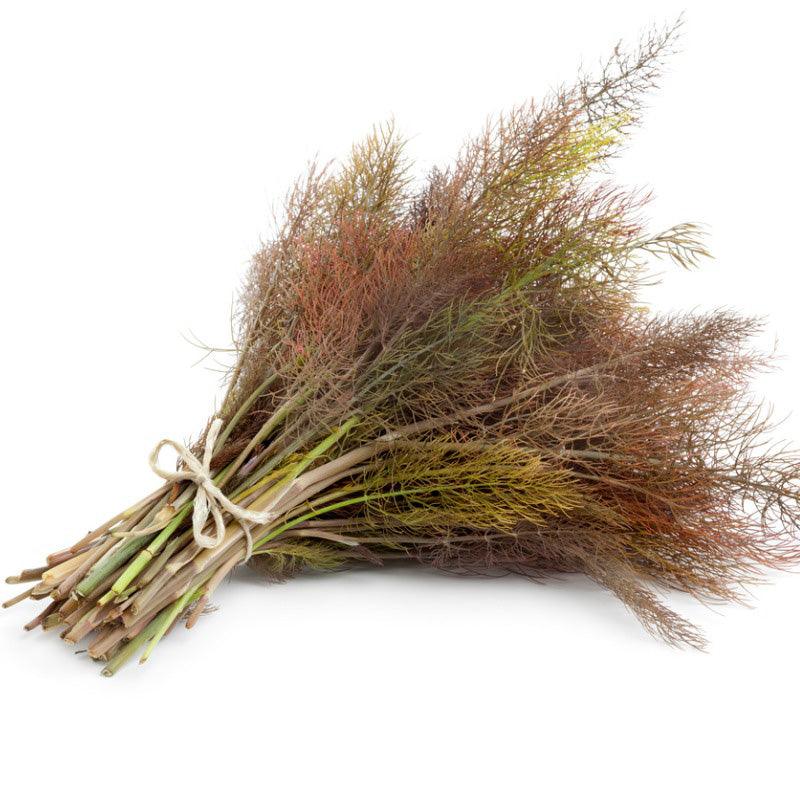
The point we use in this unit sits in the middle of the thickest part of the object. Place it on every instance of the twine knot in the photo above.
(209, 499)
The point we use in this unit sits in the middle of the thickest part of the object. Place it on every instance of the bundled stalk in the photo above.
(460, 375)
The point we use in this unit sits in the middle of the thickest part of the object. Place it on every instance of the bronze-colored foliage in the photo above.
(459, 373)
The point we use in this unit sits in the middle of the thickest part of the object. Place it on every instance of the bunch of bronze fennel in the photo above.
(458, 372)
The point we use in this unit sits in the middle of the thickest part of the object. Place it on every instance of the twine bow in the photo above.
(209, 498)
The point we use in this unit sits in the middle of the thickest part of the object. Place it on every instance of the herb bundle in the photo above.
(461, 375)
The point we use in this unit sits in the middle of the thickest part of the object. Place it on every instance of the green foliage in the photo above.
(282, 561)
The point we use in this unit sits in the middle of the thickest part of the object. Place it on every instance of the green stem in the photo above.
(365, 498)
(113, 560)
(266, 429)
(172, 614)
(323, 447)
(133, 645)
(145, 556)
(277, 492)
(243, 409)
(273, 462)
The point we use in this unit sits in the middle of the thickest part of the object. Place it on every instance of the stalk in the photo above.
(266, 429)
(114, 559)
(128, 650)
(243, 409)
(145, 555)
(166, 621)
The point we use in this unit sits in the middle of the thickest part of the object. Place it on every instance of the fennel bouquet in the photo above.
(458, 373)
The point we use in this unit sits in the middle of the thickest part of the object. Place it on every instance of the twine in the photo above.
(209, 498)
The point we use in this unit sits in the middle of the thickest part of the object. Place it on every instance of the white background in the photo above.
(141, 147)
